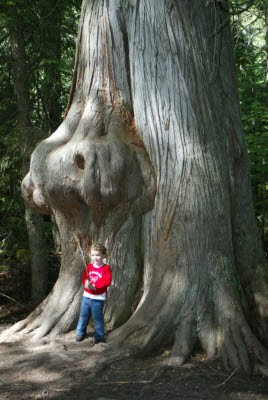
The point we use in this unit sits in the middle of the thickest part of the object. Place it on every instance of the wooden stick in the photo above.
(229, 377)
(4, 295)
(76, 238)
(122, 383)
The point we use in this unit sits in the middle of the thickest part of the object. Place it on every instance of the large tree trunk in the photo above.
(34, 221)
(153, 123)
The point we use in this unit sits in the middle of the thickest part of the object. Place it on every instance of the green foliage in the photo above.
(49, 29)
(23, 254)
(251, 53)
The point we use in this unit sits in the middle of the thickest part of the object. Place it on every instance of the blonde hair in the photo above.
(98, 247)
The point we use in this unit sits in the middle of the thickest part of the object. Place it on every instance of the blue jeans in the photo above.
(88, 307)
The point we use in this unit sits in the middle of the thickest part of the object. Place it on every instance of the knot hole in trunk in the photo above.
(79, 161)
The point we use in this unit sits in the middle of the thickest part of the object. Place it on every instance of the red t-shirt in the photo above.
(101, 277)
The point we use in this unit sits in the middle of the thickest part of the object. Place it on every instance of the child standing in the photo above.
(96, 278)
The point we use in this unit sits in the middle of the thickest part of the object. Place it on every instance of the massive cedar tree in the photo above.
(151, 160)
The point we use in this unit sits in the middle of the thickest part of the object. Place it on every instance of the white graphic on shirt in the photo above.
(93, 278)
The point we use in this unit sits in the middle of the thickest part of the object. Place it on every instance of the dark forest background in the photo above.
(46, 31)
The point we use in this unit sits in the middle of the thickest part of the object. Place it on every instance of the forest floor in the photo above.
(62, 369)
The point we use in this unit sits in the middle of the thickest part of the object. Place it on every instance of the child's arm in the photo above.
(106, 280)
(89, 286)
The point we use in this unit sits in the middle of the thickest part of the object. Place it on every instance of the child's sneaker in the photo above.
(99, 341)
(79, 338)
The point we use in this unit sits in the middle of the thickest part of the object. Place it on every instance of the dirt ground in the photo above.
(62, 369)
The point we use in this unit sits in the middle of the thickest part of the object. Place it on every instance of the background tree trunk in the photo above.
(56, 234)
(52, 88)
(34, 221)
(153, 123)
(51, 55)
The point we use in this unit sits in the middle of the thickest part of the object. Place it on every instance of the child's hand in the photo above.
(89, 286)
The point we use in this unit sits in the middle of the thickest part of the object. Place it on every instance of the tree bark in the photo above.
(151, 160)
(34, 221)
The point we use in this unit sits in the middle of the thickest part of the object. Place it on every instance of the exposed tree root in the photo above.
(239, 350)
(233, 339)
(48, 318)
(156, 323)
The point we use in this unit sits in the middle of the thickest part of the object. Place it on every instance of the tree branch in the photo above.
(223, 10)
(10, 298)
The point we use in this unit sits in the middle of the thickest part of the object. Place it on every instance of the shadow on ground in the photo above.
(58, 369)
